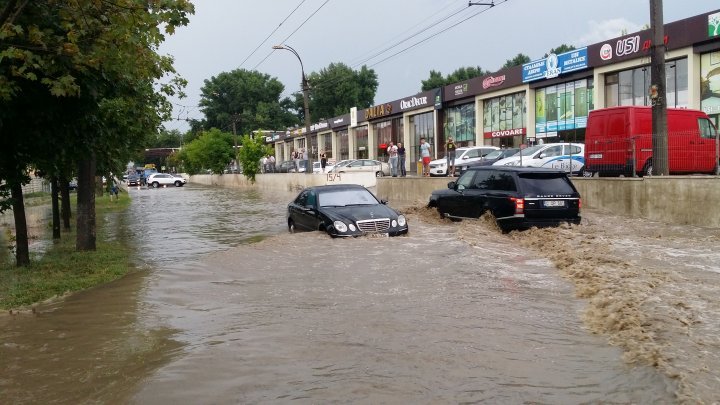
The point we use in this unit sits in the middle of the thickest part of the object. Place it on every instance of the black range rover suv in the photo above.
(518, 197)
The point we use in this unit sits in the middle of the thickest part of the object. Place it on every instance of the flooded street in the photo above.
(227, 307)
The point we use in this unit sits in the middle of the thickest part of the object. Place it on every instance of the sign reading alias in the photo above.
(378, 111)
(555, 65)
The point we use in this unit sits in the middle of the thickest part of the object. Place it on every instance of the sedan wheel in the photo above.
(291, 226)
(379, 174)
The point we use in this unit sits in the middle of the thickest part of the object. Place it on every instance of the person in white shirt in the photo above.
(393, 160)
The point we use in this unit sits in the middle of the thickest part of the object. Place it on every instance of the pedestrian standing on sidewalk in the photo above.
(425, 154)
(296, 159)
(392, 151)
(401, 159)
(323, 161)
(450, 149)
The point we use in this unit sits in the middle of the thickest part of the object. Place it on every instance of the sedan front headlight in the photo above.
(401, 220)
(340, 226)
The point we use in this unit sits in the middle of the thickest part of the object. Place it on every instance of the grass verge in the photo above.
(62, 270)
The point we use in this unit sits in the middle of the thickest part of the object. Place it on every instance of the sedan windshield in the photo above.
(341, 198)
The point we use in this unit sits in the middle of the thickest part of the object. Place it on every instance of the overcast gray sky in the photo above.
(223, 33)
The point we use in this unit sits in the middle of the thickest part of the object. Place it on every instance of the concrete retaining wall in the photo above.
(685, 200)
(284, 181)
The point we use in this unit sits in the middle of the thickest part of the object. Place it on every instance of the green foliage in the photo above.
(562, 48)
(62, 270)
(250, 99)
(436, 79)
(252, 150)
(336, 89)
(164, 139)
(212, 150)
(518, 60)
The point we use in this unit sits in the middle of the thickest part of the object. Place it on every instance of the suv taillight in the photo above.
(579, 204)
(519, 205)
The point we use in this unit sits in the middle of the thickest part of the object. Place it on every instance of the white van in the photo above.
(564, 156)
(463, 156)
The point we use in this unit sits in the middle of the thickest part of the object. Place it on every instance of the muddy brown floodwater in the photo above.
(229, 308)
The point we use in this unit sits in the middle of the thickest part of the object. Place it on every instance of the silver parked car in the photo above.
(363, 165)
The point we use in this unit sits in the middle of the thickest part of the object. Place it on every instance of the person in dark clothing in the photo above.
(450, 149)
(323, 161)
(401, 159)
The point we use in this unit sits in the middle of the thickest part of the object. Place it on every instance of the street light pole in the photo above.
(305, 90)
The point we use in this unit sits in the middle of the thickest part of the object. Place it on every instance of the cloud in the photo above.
(604, 30)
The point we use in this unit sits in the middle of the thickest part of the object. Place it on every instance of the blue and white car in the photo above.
(569, 157)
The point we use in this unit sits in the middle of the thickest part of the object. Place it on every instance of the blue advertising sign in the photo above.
(555, 65)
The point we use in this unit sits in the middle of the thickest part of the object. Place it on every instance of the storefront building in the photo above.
(546, 100)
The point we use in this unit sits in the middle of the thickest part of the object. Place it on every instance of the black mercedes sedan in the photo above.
(518, 197)
(344, 210)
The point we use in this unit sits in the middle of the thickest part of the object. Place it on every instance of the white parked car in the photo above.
(564, 156)
(165, 179)
(463, 156)
(317, 168)
(363, 165)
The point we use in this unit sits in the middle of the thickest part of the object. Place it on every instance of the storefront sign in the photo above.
(318, 126)
(461, 89)
(555, 65)
(411, 103)
(438, 98)
(505, 133)
(492, 81)
(379, 111)
(353, 117)
(338, 122)
(647, 45)
(714, 25)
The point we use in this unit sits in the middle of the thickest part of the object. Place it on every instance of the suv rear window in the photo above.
(546, 183)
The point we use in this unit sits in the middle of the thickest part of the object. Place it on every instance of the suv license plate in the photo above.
(554, 203)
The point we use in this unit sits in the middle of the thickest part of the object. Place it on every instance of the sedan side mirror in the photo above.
(542, 156)
(452, 185)
(384, 202)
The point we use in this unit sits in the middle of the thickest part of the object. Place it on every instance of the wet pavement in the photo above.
(227, 307)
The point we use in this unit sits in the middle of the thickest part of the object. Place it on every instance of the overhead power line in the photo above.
(292, 33)
(273, 31)
(436, 34)
(331, 82)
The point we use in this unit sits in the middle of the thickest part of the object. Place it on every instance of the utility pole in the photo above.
(237, 163)
(657, 90)
(305, 90)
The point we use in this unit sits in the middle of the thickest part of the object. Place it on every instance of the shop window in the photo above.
(710, 85)
(361, 143)
(344, 145)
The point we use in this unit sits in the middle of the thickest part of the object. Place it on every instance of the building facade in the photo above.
(546, 100)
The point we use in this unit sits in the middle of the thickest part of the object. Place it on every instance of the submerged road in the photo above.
(230, 308)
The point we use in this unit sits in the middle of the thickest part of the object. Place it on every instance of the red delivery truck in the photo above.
(618, 141)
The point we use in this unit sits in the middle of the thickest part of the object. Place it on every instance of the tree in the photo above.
(212, 150)
(249, 99)
(87, 69)
(560, 49)
(337, 88)
(461, 74)
(252, 150)
(518, 60)
(435, 80)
